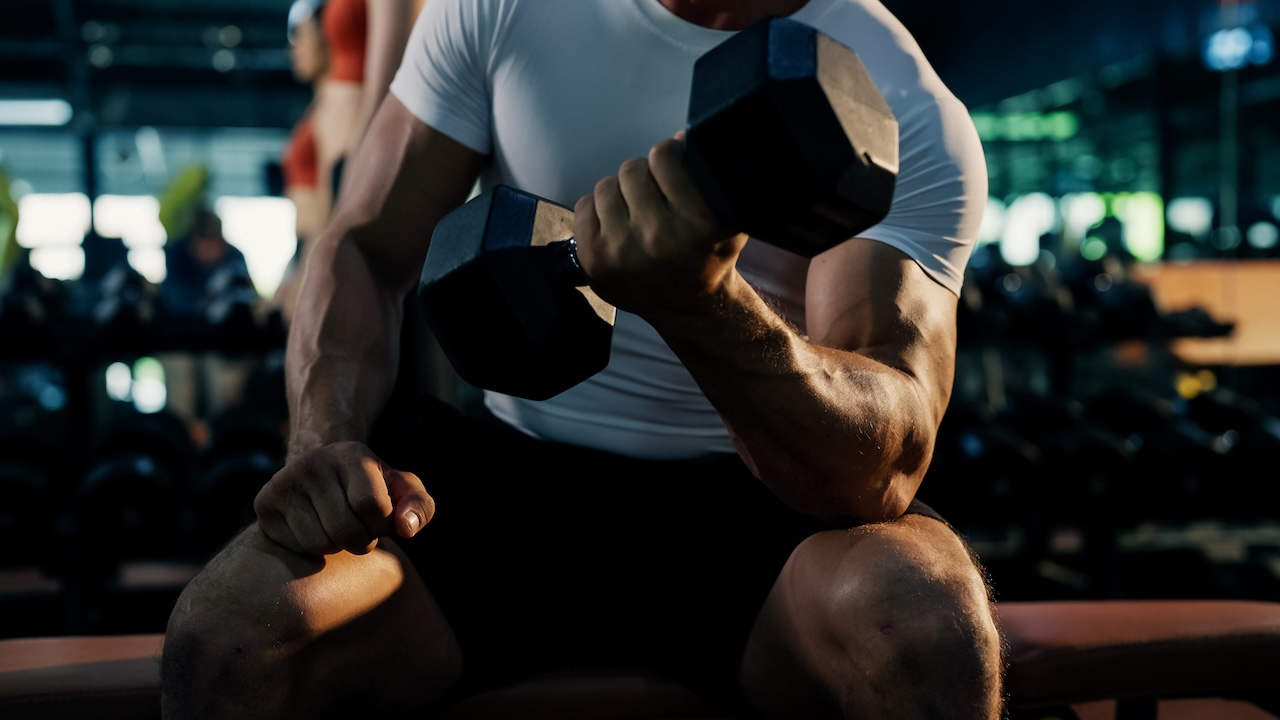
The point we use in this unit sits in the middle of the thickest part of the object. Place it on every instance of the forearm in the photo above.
(343, 352)
(835, 434)
(344, 341)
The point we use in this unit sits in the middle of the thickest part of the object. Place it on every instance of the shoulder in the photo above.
(942, 182)
(477, 20)
(890, 53)
(928, 113)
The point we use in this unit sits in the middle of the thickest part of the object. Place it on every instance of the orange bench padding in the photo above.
(1060, 653)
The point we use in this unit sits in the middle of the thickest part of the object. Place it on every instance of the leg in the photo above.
(262, 632)
(888, 620)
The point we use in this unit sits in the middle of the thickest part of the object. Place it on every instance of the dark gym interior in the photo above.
(1114, 429)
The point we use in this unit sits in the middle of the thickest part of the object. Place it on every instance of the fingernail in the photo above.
(411, 518)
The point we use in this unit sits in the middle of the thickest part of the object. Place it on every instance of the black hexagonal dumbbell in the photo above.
(788, 140)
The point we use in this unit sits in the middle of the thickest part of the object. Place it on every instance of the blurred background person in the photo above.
(309, 57)
(198, 264)
(366, 40)
(207, 280)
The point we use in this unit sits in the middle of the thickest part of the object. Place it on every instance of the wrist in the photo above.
(719, 320)
(694, 311)
(311, 428)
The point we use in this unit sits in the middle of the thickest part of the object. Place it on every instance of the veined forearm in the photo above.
(833, 433)
(343, 353)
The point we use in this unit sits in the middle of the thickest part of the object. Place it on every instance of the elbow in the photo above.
(863, 500)
(877, 490)
(887, 499)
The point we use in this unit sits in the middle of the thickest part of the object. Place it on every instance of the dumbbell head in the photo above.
(789, 139)
(504, 305)
(123, 507)
(27, 509)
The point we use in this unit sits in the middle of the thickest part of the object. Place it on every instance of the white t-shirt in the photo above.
(560, 92)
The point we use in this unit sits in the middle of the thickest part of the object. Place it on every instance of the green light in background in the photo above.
(1081, 212)
(985, 124)
(148, 391)
(1061, 125)
(1142, 215)
(1093, 248)
(1026, 127)
(1023, 127)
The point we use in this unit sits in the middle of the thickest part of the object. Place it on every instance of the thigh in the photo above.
(333, 630)
(548, 557)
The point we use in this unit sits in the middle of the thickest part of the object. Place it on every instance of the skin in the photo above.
(353, 105)
(839, 424)
(308, 609)
(890, 619)
(343, 355)
(310, 58)
(207, 243)
(334, 120)
(307, 52)
(389, 24)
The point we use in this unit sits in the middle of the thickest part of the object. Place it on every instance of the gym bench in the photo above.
(1214, 659)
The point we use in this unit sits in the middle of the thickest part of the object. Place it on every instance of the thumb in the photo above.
(412, 507)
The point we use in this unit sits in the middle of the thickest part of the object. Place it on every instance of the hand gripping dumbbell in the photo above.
(788, 140)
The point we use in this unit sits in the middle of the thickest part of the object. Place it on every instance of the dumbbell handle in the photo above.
(563, 263)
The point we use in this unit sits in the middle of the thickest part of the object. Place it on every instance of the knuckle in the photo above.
(634, 167)
(276, 530)
(264, 503)
(349, 451)
(369, 504)
(352, 537)
(321, 547)
(667, 149)
(606, 186)
(654, 238)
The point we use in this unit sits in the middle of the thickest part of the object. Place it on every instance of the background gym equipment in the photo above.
(245, 449)
(29, 302)
(788, 140)
(32, 477)
(128, 496)
(1218, 657)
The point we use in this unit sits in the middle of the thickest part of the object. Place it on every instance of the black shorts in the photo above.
(548, 557)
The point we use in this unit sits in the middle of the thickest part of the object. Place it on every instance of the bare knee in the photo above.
(263, 632)
(904, 604)
(230, 636)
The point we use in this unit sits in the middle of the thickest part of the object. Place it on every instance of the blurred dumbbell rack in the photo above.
(57, 575)
(1084, 456)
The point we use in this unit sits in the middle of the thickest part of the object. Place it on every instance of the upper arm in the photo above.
(891, 294)
(387, 31)
(389, 22)
(867, 297)
(405, 177)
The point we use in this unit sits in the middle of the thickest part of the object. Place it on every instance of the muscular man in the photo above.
(730, 503)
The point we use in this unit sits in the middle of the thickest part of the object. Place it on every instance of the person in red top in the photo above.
(299, 159)
(300, 163)
(366, 41)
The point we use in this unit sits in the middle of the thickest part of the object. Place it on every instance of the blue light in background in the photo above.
(1234, 48)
